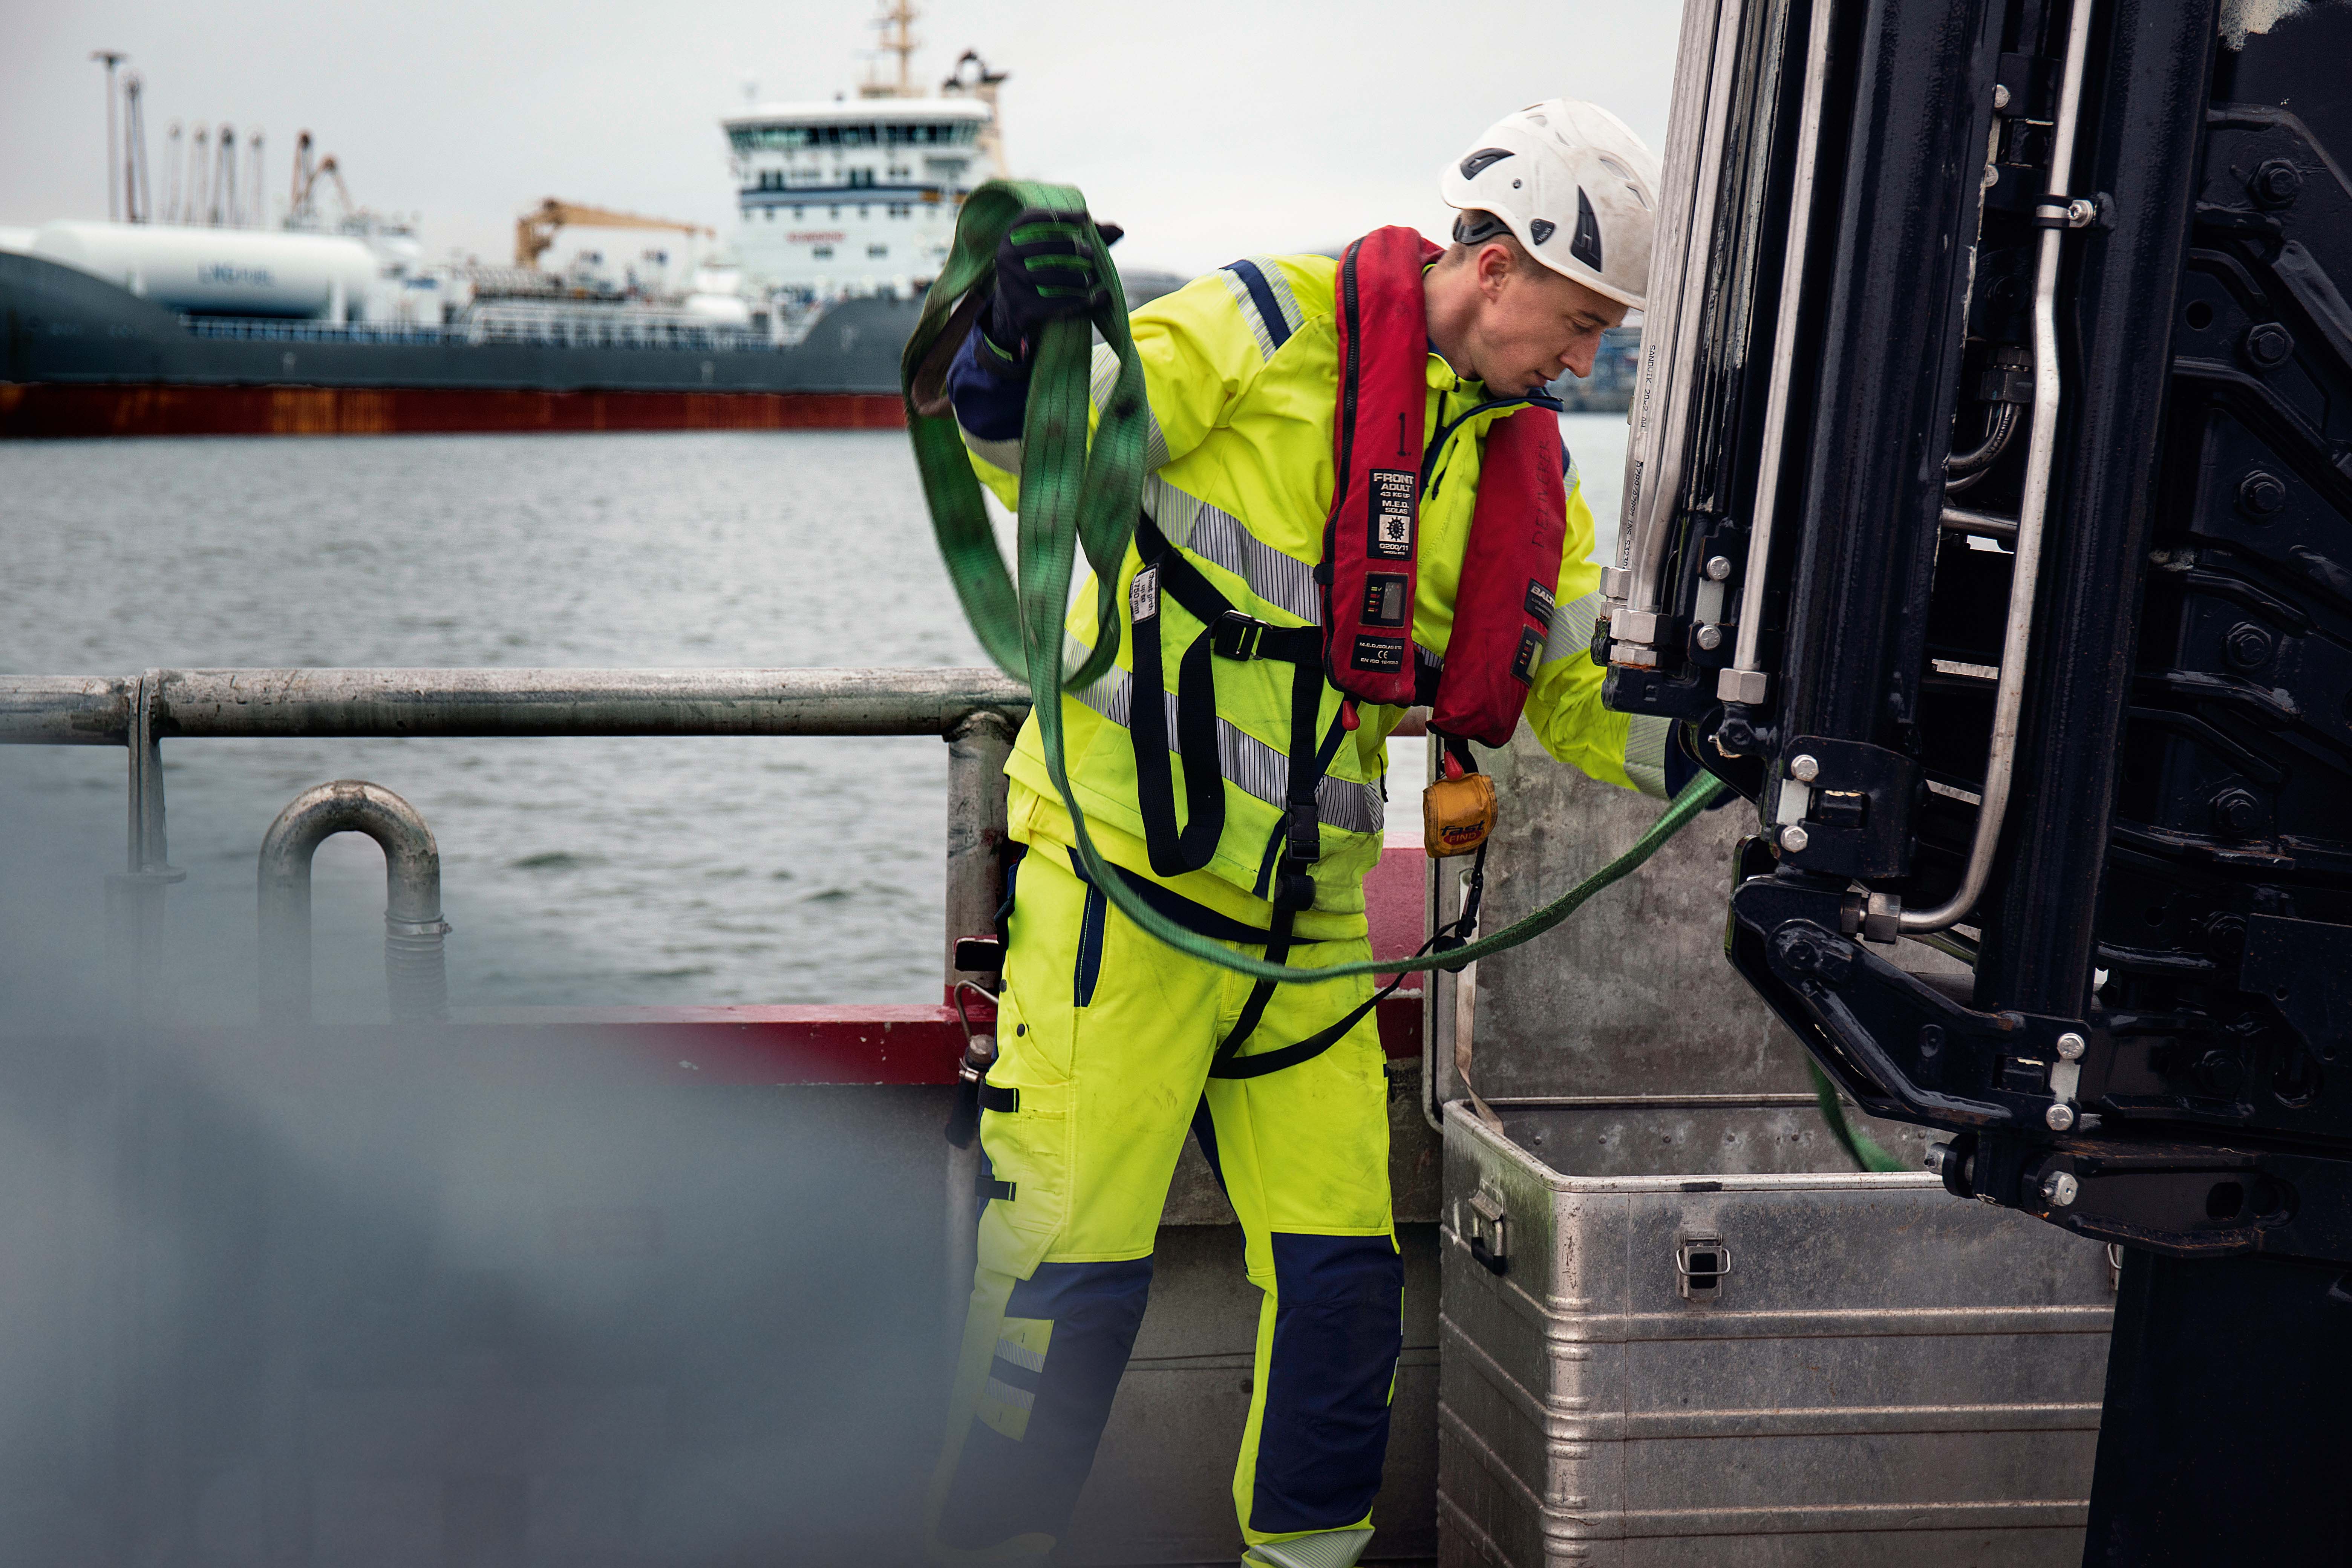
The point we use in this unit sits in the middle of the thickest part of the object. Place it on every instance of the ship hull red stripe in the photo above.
(881, 1044)
(51, 410)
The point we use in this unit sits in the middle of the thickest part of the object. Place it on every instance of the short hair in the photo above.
(1475, 227)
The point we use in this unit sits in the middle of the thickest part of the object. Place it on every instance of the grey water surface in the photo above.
(592, 871)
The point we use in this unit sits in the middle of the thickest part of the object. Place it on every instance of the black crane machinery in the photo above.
(1988, 528)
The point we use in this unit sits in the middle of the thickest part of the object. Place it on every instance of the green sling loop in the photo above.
(1073, 495)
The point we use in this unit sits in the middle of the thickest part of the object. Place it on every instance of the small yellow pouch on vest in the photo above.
(1456, 814)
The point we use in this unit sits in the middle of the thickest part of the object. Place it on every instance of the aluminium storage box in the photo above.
(1741, 1364)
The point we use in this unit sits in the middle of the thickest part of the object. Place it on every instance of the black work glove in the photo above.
(1044, 272)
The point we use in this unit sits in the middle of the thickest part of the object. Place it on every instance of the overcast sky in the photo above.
(1209, 129)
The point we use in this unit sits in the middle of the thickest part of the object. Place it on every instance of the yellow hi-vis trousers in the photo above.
(1106, 1037)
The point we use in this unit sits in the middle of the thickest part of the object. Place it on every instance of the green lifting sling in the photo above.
(1075, 494)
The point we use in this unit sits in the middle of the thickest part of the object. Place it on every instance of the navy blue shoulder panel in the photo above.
(1261, 294)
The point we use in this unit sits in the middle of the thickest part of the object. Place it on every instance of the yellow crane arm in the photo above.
(535, 230)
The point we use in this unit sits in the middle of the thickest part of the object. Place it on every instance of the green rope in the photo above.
(1076, 495)
(1859, 1146)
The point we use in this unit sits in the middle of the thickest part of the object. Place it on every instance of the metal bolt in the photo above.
(2237, 811)
(2269, 344)
(2069, 1045)
(2276, 183)
(1938, 1155)
(1794, 839)
(1718, 567)
(2059, 1188)
(1803, 768)
(2081, 211)
(2262, 494)
(1710, 637)
(2060, 1116)
(2247, 646)
(1999, 96)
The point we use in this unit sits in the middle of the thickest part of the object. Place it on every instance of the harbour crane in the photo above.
(306, 177)
(535, 230)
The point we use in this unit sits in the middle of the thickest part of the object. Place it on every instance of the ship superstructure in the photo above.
(854, 197)
(860, 196)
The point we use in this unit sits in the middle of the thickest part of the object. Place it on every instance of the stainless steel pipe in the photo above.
(412, 960)
(52, 710)
(2040, 455)
(977, 749)
(1693, 169)
(1745, 682)
(65, 710)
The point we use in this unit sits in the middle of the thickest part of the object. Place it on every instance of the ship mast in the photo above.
(897, 23)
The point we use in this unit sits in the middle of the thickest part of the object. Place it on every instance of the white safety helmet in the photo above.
(1573, 185)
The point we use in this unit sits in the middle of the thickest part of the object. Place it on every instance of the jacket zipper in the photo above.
(1445, 433)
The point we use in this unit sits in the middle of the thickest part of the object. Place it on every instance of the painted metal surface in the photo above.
(80, 356)
(49, 411)
(1876, 1375)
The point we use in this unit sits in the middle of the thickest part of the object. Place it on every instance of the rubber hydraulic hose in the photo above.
(1080, 492)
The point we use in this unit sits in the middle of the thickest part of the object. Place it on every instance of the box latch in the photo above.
(1702, 1263)
(1490, 1232)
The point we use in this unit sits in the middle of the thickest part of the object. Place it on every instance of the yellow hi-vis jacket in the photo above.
(1241, 370)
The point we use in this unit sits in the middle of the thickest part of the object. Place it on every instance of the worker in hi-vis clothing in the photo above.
(1113, 1046)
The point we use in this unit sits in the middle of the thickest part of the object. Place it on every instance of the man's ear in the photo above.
(1493, 264)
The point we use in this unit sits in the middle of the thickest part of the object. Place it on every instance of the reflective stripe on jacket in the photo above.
(1240, 370)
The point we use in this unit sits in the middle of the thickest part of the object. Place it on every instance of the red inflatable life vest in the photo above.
(1510, 569)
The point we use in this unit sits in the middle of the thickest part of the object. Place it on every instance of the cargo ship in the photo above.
(331, 324)
(195, 325)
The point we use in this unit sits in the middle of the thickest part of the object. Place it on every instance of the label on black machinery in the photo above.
(1378, 655)
(1391, 534)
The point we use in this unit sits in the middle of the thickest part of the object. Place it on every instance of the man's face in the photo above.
(1531, 323)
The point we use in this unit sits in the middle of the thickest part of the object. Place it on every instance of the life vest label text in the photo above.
(1391, 492)
(1382, 655)
(1143, 595)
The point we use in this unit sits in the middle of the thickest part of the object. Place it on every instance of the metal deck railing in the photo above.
(574, 329)
(976, 711)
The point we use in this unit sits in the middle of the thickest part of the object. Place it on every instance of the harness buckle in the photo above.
(1302, 839)
(1237, 636)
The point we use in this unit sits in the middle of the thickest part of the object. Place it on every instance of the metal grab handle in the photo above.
(1682, 1260)
(414, 968)
(2009, 694)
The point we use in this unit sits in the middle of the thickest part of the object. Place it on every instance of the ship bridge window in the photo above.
(878, 251)
(821, 252)
(861, 176)
(793, 138)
